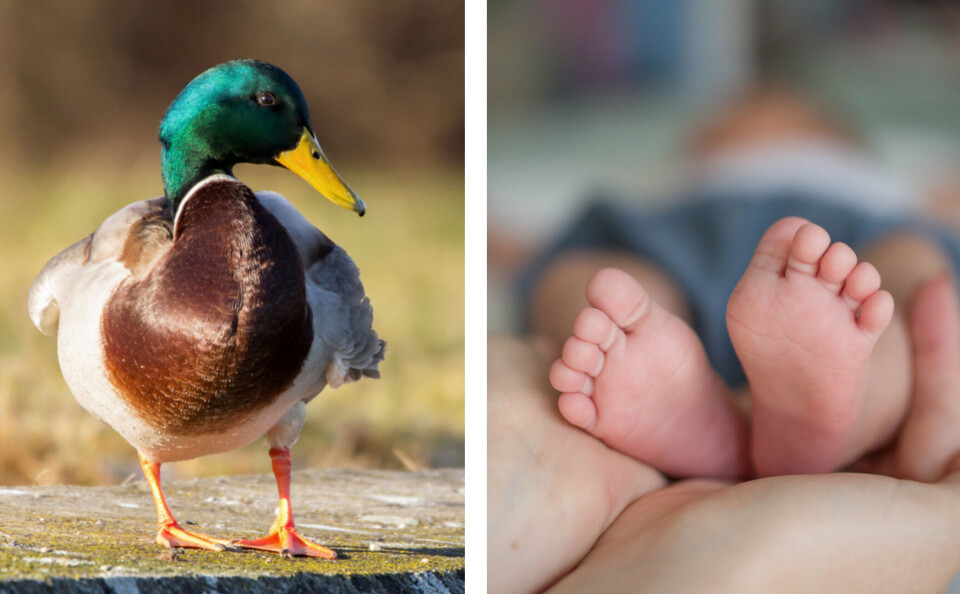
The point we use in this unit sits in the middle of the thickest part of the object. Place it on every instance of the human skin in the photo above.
(566, 510)
(811, 533)
(875, 411)
(551, 488)
(805, 319)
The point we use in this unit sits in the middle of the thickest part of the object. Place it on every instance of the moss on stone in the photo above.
(379, 524)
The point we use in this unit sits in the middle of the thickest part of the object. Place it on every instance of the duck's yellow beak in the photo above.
(308, 161)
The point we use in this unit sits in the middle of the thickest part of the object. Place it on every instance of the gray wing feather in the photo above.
(358, 348)
(343, 316)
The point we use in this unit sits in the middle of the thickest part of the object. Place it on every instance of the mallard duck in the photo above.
(196, 322)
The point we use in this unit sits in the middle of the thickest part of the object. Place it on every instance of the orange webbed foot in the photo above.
(174, 536)
(289, 543)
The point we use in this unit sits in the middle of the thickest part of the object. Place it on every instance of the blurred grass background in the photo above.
(85, 85)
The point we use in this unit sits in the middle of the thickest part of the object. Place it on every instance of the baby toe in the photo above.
(592, 325)
(620, 297)
(578, 410)
(862, 282)
(809, 245)
(583, 356)
(565, 379)
(836, 265)
(876, 312)
(774, 247)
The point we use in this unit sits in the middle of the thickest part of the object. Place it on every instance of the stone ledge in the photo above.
(427, 582)
(393, 531)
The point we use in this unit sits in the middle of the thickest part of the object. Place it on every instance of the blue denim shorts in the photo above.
(706, 242)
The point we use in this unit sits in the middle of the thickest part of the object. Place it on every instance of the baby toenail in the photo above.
(587, 389)
(850, 301)
(830, 286)
(637, 314)
(599, 367)
(801, 267)
(611, 338)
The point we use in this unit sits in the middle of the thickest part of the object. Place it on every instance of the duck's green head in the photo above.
(244, 111)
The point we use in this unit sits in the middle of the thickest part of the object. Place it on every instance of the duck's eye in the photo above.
(266, 99)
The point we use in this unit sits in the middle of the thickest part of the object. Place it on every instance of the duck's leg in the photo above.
(170, 533)
(283, 537)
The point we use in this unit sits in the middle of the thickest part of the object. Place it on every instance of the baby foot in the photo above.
(637, 377)
(804, 320)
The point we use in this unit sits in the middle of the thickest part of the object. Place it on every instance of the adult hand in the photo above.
(552, 489)
(816, 533)
(812, 533)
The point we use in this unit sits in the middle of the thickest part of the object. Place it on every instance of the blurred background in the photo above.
(623, 96)
(84, 87)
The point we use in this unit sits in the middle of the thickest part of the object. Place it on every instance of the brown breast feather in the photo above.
(219, 327)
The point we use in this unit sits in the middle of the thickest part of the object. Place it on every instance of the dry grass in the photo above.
(410, 251)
